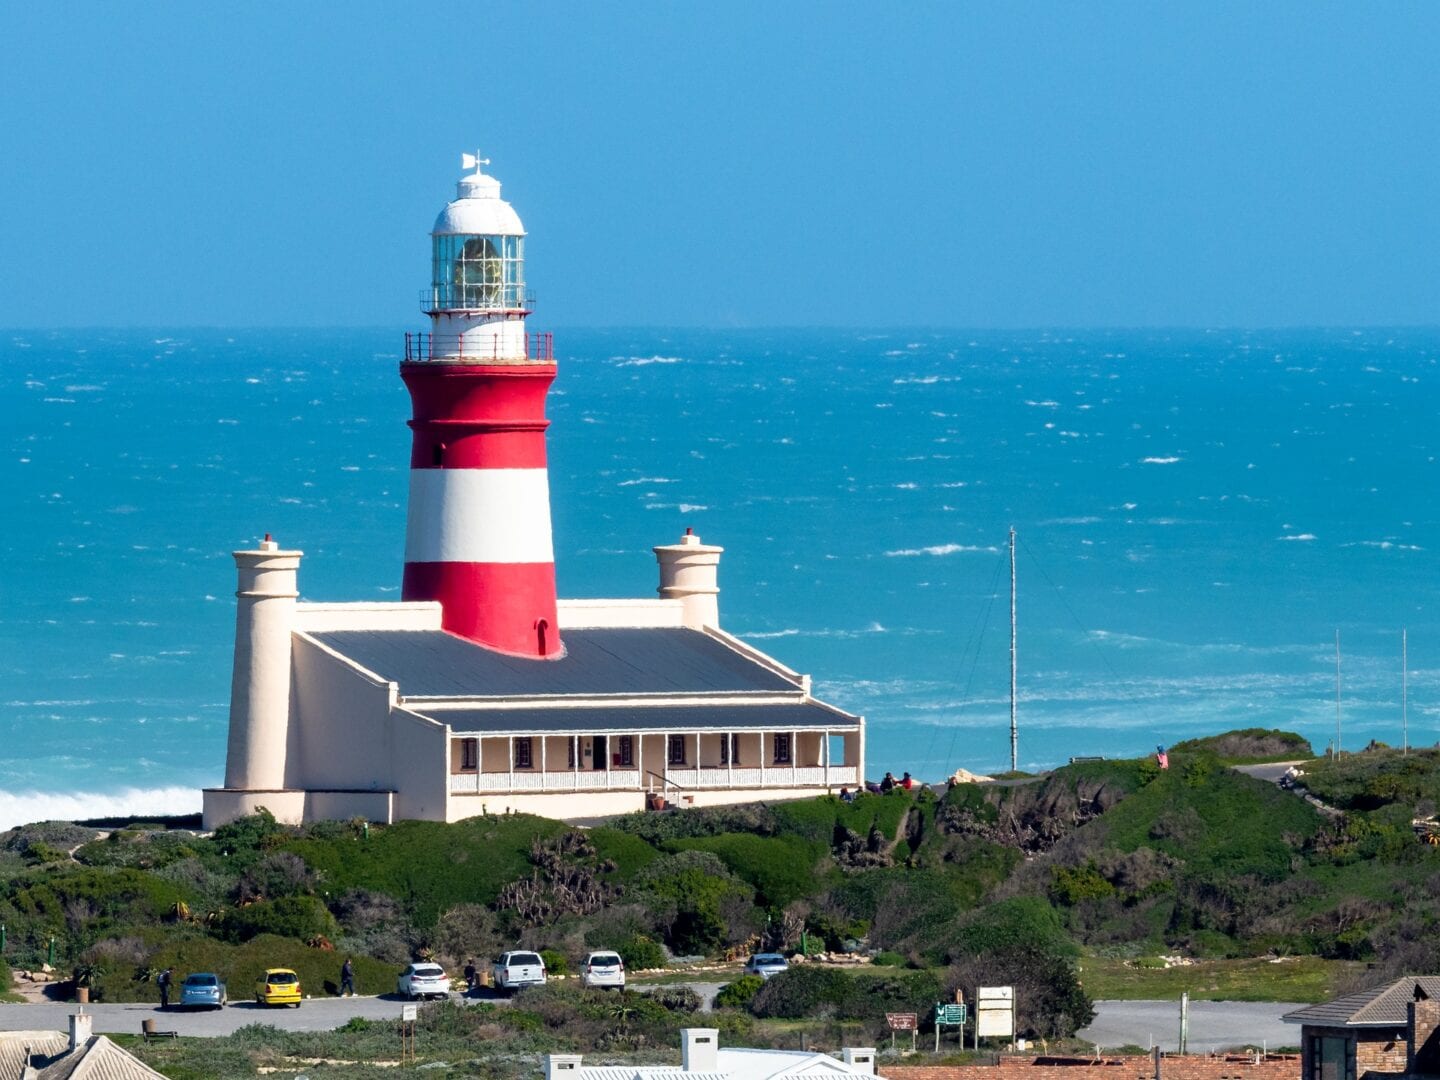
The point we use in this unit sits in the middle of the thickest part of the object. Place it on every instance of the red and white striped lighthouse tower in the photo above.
(478, 538)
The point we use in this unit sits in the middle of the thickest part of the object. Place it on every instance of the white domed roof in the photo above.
(478, 210)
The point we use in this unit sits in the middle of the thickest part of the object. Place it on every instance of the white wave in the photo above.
(1384, 545)
(1306, 537)
(81, 388)
(648, 480)
(692, 508)
(642, 361)
(24, 807)
(942, 549)
(1089, 519)
(1047, 404)
(1159, 460)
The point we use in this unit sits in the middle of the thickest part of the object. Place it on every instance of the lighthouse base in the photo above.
(294, 807)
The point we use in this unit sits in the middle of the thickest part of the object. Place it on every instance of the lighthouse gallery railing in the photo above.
(421, 347)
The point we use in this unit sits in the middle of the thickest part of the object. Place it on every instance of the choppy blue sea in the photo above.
(1198, 514)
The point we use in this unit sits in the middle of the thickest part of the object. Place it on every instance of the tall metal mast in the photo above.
(1014, 729)
(1337, 693)
(1404, 695)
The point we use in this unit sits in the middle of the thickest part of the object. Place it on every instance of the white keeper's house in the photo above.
(480, 691)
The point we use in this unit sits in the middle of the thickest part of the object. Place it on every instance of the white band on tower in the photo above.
(453, 516)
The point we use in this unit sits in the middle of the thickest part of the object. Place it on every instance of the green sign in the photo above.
(950, 1015)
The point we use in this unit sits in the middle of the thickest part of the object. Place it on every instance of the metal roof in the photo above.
(650, 660)
(1380, 1006)
(624, 719)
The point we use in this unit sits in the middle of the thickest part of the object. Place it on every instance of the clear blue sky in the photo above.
(735, 164)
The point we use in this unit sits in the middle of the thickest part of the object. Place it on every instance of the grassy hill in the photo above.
(1114, 862)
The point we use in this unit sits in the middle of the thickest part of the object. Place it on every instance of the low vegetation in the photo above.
(1068, 885)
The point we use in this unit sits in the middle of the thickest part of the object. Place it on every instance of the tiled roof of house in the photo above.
(49, 1053)
(1380, 1006)
(628, 660)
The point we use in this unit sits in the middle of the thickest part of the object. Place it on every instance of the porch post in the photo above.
(762, 759)
(575, 775)
(825, 757)
(665, 750)
(730, 748)
(511, 763)
(697, 759)
(794, 759)
(544, 779)
(609, 756)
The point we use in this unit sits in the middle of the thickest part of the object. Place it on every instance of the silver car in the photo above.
(766, 965)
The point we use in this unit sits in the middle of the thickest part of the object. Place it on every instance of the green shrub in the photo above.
(691, 893)
(555, 962)
(641, 953)
(802, 991)
(299, 917)
(676, 998)
(739, 994)
(888, 959)
(781, 868)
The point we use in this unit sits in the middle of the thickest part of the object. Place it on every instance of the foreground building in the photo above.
(1387, 1031)
(54, 1055)
(481, 691)
(702, 1057)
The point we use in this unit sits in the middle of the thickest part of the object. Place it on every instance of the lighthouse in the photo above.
(478, 535)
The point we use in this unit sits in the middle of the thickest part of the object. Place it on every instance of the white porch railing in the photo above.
(531, 780)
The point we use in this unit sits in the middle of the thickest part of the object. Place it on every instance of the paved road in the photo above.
(319, 1014)
(1214, 1025)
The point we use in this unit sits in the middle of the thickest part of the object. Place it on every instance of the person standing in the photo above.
(163, 982)
(347, 979)
(472, 978)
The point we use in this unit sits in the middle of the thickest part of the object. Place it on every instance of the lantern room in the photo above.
(478, 252)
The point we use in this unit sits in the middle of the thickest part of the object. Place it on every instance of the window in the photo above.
(627, 751)
(677, 749)
(782, 749)
(469, 754)
(522, 753)
(729, 749)
(1331, 1059)
(437, 454)
(570, 752)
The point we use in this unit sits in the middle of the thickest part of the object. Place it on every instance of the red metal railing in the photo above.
(424, 347)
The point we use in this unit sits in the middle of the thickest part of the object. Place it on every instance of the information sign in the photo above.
(995, 1012)
(902, 1021)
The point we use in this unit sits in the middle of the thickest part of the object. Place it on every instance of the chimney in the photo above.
(561, 1066)
(1423, 1037)
(859, 1058)
(700, 1050)
(260, 688)
(689, 571)
(80, 1029)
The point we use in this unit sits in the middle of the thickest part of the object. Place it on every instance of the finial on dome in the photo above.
(473, 161)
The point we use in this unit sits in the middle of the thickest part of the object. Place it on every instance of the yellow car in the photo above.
(279, 986)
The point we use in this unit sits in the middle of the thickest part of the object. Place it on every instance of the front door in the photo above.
(597, 752)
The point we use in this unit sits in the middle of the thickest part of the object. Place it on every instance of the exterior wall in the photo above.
(808, 749)
(1381, 1051)
(417, 749)
(585, 805)
(1172, 1067)
(342, 724)
(1423, 1035)
(400, 615)
(376, 806)
(222, 806)
(603, 613)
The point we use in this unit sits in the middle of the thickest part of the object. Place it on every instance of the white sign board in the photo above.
(995, 1012)
(407, 1013)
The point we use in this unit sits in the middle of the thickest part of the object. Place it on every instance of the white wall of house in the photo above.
(341, 724)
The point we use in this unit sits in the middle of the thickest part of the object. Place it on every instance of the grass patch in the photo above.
(781, 868)
(1302, 979)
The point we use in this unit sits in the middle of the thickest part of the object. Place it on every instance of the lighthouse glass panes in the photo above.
(478, 273)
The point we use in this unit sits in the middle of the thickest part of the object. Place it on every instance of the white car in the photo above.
(603, 969)
(518, 969)
(423, 980)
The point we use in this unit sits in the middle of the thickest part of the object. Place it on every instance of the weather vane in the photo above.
(473, 161)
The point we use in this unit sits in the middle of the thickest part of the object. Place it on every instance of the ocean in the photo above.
(1198, 514)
